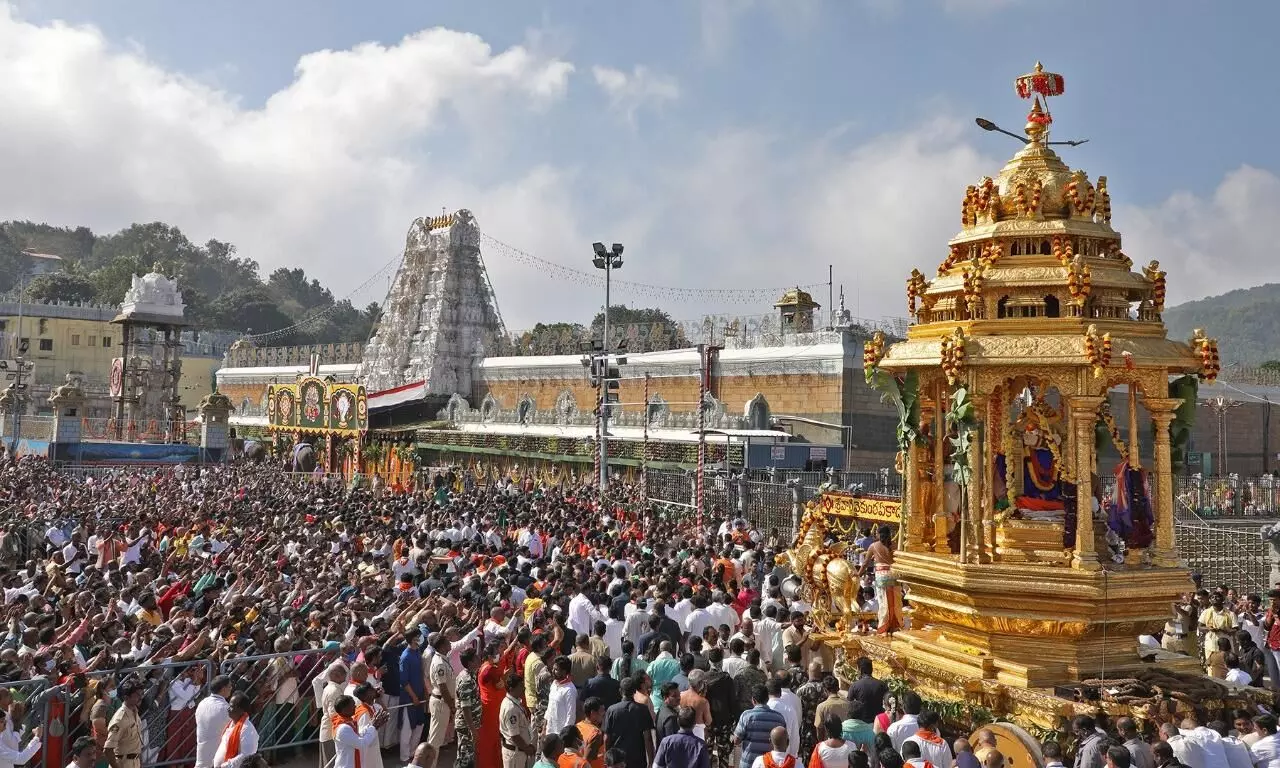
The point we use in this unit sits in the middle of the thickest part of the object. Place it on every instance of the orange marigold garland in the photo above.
(873, 352)
(1097, 349)
(915, 290)
(954, 257)
(953, 355)
(1157, 278)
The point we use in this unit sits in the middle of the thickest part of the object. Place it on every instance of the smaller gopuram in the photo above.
(1027, 564)
(144, 379)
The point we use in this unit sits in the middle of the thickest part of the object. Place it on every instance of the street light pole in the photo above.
(608, 260)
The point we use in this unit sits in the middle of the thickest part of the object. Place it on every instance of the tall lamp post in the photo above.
(1220, 405)
(608, 260)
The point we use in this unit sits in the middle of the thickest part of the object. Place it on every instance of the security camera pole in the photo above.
(603, 375)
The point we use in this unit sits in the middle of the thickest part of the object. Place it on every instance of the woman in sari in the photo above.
(493, 673)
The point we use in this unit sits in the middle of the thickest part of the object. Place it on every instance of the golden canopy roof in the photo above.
(798, 298)
(1036, 270)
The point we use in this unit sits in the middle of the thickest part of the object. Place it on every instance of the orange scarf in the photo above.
(233, 736)
(339, 720)
(930, 737)
(362, 709)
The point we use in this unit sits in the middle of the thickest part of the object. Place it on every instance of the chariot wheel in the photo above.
(1020, 750)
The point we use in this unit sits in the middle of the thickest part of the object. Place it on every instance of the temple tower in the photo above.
(1028, 562)
(439, 310)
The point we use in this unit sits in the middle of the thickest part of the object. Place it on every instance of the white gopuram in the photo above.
(437, 314)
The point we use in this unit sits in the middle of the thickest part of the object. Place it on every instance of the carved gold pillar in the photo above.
(991, 425)
(941, 545)
(1161, 409)
(912, 492)
(1084, 415)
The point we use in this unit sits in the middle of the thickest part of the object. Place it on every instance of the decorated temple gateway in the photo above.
(1029, 566)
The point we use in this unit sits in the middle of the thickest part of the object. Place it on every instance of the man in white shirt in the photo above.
(211, 719)
(907, 725)
(1238, 755)
(1205, 741)
(562, 702)
(700, 618)
(239, 740)
(734, 662)
(1266, 750)
(346, 739)
(721, 611)
(790, 713)
(769, 636)
(583, 615)
(933, 747)
(10, 755)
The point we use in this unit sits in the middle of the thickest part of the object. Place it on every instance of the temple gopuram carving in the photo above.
(1027, 569)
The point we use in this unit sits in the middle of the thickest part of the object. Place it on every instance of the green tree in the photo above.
(73, 245)
(249, 309)
(11, 262)
(61, 286)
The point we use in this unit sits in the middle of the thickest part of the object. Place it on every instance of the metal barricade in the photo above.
(168, 734)
(33, 700)
(279, 685)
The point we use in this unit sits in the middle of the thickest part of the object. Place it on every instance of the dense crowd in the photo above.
(233, 616)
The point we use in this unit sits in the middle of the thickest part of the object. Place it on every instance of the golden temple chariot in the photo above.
(1027, 564)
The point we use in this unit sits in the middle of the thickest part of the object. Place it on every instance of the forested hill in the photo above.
(221, 290)
(1246, 323)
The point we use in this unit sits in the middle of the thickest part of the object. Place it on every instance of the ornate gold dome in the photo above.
(1036, 256)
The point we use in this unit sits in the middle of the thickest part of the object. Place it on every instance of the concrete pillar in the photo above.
(215, 408)
(68, 402)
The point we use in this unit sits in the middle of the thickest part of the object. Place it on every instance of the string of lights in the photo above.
(671, 293)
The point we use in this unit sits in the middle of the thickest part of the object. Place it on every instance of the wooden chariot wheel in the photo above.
(1020, 750)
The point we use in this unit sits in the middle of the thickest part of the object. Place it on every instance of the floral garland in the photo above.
(1157, 277)
(1097, 350)
(953, 355)
(954, 256)
(1010, 491)
(915, 289)
(973, 291)
(1028, 196)
(1104, 413)
(873, 352)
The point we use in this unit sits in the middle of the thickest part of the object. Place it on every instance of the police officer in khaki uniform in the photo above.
(513, 728)
(124, 734)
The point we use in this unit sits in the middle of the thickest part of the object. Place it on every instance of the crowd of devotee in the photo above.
(236, 616)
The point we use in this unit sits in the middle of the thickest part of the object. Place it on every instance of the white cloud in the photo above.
(328, 172)
(1209, 245)
(751, 210)
(642, 87)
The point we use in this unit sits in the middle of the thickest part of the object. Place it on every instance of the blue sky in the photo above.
(729, 143)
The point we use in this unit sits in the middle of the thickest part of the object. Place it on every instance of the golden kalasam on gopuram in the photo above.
(1033, 346)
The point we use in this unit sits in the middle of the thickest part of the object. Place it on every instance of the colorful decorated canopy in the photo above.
(316, 406)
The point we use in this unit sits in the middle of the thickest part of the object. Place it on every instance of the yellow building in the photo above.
(81, 339)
